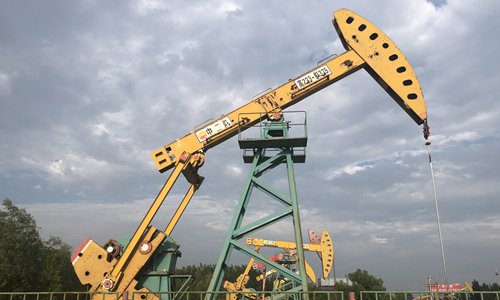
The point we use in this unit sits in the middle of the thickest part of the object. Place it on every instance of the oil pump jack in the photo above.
(132, 266)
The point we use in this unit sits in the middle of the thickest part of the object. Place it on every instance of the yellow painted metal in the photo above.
(324, 248)
(284, 244)
(468, 287)
(146, 221)
(271, 295)
(133, 294)
(119, 275)
(264, 106)
(90, 263)
(368, 47)
(309, 272)
(385, 62)
(326, 253)
(240, 284)
(268, 273)
(242, 280)
(132, 260)
(234, 292)
(180, 209)
(139, 258)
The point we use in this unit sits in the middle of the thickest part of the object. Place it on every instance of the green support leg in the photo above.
(263, 163)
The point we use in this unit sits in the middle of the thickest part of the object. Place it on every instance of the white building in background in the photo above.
(344, 280)
(330, 282)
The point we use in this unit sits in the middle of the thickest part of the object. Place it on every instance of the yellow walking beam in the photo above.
(324, 248)
(367, 47)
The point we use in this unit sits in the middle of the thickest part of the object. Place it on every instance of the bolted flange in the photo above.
(107, 284)
(145, 247)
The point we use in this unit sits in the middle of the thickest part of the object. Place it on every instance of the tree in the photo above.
(27, 263)
(57, 272)
(361, 281)
(366, 281)
(484, 287)
(20, 245)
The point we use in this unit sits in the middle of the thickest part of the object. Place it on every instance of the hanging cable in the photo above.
(428, 144)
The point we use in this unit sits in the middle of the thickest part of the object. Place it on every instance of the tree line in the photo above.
(484, 287)
(30, 263)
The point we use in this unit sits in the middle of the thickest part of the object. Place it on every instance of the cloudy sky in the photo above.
(89, 88)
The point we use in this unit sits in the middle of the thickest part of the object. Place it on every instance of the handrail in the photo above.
(317, 295)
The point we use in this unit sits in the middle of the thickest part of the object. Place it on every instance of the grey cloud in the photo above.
(88, 90)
